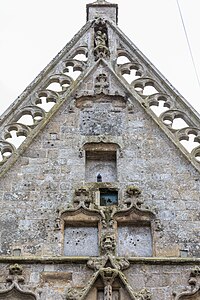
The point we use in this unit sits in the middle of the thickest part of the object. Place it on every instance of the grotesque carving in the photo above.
(157, 225)
(108, 275)
(108, 243)
(100, 39)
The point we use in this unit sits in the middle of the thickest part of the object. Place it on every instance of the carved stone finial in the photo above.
(133, 191)
(82, 198)
(15, 269)
(15, 274)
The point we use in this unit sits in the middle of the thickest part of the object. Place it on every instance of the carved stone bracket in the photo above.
(117, 263)
(194, 289)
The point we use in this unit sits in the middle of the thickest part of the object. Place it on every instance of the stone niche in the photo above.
(81, 240)
(100, 161)
(134, 240)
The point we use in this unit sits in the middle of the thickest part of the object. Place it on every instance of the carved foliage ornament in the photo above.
(194, 289)
(14, 291)
(108, 276)
(107, 216)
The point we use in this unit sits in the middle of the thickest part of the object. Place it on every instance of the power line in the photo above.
(188, 42)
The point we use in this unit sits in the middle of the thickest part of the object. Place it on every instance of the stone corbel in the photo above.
(117, 263)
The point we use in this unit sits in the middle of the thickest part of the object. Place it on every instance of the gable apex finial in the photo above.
(102, 9)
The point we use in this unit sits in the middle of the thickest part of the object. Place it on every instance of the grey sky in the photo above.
(32, 32)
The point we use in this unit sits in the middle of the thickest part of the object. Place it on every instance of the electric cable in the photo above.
(188, 42)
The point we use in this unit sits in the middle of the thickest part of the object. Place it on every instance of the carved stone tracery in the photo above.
(42, 95)
(172, 104)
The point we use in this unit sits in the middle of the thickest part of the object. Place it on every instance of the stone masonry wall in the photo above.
(43, 181)
(52, 281)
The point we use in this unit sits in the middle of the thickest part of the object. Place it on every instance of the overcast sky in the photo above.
(32, 32)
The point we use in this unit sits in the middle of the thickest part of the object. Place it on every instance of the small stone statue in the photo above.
(100, 38)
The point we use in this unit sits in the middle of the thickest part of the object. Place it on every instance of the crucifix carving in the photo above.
(102, 84)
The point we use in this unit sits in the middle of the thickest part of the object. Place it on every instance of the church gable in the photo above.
(99, 136)
(100, 201)
(145, 84)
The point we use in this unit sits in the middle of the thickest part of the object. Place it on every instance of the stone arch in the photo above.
(15, 293)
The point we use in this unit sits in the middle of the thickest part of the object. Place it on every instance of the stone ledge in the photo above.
(84, 259)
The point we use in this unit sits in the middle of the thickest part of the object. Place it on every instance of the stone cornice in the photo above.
(84, 259)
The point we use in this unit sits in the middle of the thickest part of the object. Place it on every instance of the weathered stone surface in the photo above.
(100, 138)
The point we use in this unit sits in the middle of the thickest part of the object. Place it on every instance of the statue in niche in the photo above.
(100, 40)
